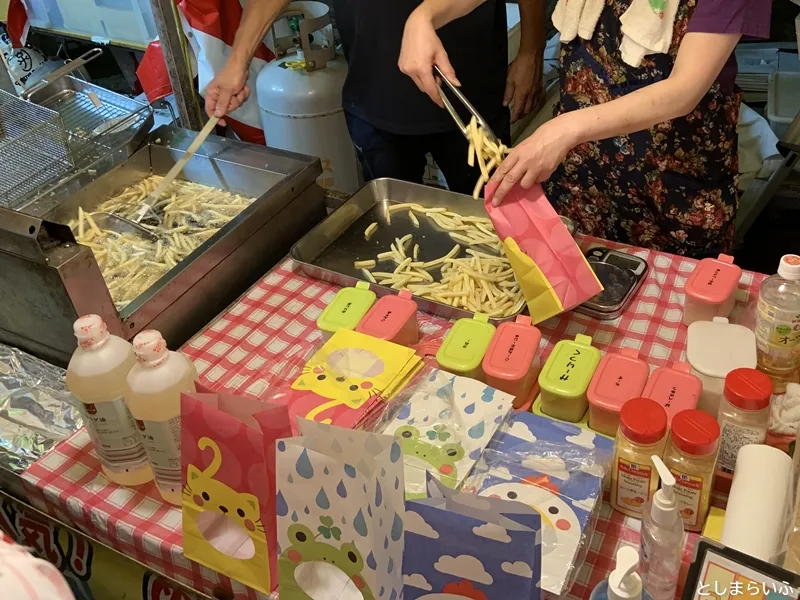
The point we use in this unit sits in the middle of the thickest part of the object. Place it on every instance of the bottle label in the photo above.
(732, 438)
(633, 484)
(689, 495)
(162, 441)
(113, 433)
(777, 337)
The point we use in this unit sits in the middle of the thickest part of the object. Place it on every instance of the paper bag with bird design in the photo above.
(348, 380)
(228, 469)
(340, 514)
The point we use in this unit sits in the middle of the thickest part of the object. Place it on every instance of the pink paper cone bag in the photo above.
(553, 273)
(228, 472)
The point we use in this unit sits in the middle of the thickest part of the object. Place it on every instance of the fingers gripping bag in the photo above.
(552, 272)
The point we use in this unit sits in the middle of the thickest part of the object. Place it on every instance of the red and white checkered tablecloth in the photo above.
(264, 338)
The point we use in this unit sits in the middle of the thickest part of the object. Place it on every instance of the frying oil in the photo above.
(96, 376)
(155, 384)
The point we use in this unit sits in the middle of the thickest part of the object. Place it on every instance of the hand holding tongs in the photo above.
(467, 104)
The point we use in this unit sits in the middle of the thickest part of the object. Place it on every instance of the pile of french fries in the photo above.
(190, 214)
(479, 281)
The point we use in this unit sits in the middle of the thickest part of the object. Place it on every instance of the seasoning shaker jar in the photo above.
(642, 433)
(691, 456)
(743, 414)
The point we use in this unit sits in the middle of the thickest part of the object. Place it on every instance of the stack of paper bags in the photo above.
(444, 427)
(556, 468)
(348, 381)
(552, 272)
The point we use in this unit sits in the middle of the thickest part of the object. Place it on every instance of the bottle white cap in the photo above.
(624, 583)
(664, 509)
(91, 331)
(790, 267)
(150, 348)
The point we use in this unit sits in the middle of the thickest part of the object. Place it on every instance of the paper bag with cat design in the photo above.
(228, 456)
(348, 380)
(340, 514)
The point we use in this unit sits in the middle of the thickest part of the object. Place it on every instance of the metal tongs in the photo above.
(482, 123)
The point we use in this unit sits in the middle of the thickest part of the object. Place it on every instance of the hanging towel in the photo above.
(577, 17)
(646, 25)
(647, 29)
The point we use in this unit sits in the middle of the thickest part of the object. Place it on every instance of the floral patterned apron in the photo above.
(672, 187)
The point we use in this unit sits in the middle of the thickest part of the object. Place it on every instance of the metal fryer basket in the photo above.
(33, 148)
(96, 120)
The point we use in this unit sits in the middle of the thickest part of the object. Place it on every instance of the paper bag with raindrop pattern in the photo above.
(444, 427)
(228, 471)
(340, 514)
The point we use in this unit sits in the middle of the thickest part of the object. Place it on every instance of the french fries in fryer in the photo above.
(190, 212)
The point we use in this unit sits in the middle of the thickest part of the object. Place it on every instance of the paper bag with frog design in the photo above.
(228, 456)
(340, 514)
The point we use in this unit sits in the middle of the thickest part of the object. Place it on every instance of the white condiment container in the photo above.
(714, 349)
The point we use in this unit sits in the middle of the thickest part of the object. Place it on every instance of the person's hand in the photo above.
(228, 90)
(420, 51)
(523, 84)
(535, 159)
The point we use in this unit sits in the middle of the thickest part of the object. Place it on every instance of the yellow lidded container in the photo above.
(465, 345)
(565, 378)
(346, 309)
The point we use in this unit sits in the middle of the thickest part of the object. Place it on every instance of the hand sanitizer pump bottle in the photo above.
(662, 538)
(623, 583)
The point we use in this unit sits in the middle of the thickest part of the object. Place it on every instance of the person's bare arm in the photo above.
(229, 90)
(524, 79)
(422, 49)
(700, 59)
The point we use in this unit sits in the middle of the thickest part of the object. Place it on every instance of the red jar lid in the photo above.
(695, 432)
(643, 421)
(748, 389)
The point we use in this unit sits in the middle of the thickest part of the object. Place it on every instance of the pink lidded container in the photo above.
(711, 289)
(511, 363)
(392, 318)
(674, 388)
(618, 378)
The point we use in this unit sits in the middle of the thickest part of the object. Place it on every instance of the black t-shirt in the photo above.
(377, 92)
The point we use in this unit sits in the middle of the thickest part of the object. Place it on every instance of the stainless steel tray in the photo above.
(328, 251)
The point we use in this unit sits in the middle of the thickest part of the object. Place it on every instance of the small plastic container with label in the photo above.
(714, 349)
(346, 309)
(618, 378)
(674, 388)
(691, 456)
(511, 363)
(465, 345)
(743, 414)
(642, 433)
(565, 378)
(392, 318)
(711, 289)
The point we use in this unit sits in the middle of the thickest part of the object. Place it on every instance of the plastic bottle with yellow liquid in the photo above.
(96, 376)
(155, 384)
